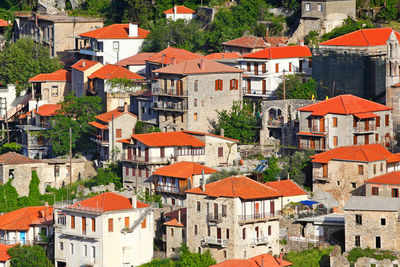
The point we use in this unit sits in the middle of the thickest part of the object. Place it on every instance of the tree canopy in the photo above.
(296, 88)
(28, 256)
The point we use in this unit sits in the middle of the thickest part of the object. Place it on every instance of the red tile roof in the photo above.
(287, 188)
(362, 153)
(140, 205)
(173, 218)
(266, 260)
(138, 59)
(105, 202)
(344, 104)
(183, 169)
(366, 115)
(216, 56)
(106, 117)
(179, 10)
(208, 134)
(4, 251)
(387, 178)
(281, 52)
(393, 158)
(98, 125)
(12, 158)
(115, 31)
(88, 63)
(164, 139)
(178, 54)
(48, 110)
(110, 71)
(3, 23)
(247, 41)
(276, 40)
(57, 76)
(194, 67)
(20, 220)
(363, 37)
(125, 141)
(242, 187)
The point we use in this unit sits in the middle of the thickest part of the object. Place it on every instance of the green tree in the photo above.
(187, 258)
(298, 167)
(28, 256)
(106, 176)
(142, 127)
(297, 89)
(238, 123)
(75, 113)
(273, 170)
(34, 194)
(389, 11)
(348, 26)
(310, 258)
(222, 175)
(23, 59)
(11, 147)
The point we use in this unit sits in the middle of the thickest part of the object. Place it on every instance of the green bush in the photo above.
(310, 258)
(377, 254)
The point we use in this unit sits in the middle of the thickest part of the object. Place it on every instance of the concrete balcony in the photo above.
(259, 241)
(275, 122)
(215, 218)
(361, 129)
(256, 74)
(171, 106)
(258, 217)
(172, 92)
(143, 159)
(216, 241)
(99, 140)
(171, 189)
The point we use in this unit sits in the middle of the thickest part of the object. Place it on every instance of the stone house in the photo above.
(105, 83)
(260, 260)
(57, 32)
(25, 226)
(344, 120)
(179, 12)
(291, 192)
(173, 180)
(141, 104)
(385, 185)
(187, 94)
(15, 104)
(112, 43)
(175, 232)
(235, 218)
(136, 63)
(372, 222)
(86, 232)
(341, 172)
(80, 71)
(142, 154)
(280, 122)
(266, 68)
(111, 126)
(49, 88)
(250, 44)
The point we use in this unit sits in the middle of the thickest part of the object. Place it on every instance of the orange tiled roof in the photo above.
(173, 218)
(242, 187)
(194, 67)
(183, 169)
(57, 76)
(115, 31)
(3, 23)
(125, 141)
(106, 117)
(366, 115)
(47, 110)
(393, 158)
(105, 202)
(179, 10)
(287, 188)
(209, 134)
(362, 153)
(344, 104)
(178, 54)
(363, 37)
(20, 220)
(276, 40)
(387, 178)
(98, 125)
(164, 139)
(216, 56)
(140, 205)
(138, 59)
(110, 71)
(281, 52)
(4, 251)
(266, 260)
(88, 63)
(247, 41)
(12, 158)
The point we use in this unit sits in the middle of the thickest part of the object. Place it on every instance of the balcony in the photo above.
(258, 217)
(275, 122)
(169, 92)
(143, 159)
(98, 139)
(216, 241)
(256, 74)
(216, 218)
(360, 129)
(318, 129)
(259, 241)
(13, 241)
(319, 177)
(90, 51)
(171, 106)
(171, 189)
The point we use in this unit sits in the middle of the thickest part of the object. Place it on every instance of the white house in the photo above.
(105, 230)
(179, 12)
(112, 43)
(264, 69)
(136, 63)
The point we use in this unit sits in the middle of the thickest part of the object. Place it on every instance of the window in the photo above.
(54, 91)
(376, 137)
(118, 133)
(335, 141)
(195, 102)
(93, 225)
(355, 140)
(234, 84)
(320, 7)
(335, 122)
(358, 219)
(93, 252)
(11, 174)
(218, 85)
(357, 241)
(309, 122)
(395, 192)
(338, 182)
(377, 242)
(172, 232)
(374, 168)
(308, 7)
(56, 171)
(375, 191)
(269, 230)
(325, 170)
(72, 222)
(195, 116)
(360, 169)
(195, 229)
(115, 45)
(264, 68)
(72, 248)
(162, 152)
(248, 67)
(225, 254)
(244, 233)
(227, 233)
(61, 245)
(353, 185)
(220, 152)
(208, 230)
(196, 86)
(85, 250)
(126, 222)
(198, 206)
(381, 167)
(143, 223)
(354, 122)
(383, 221)
(172, 83)
(83, 225)
(224, 211)
(378, 121)
(110, 225)
(290, 66)
(277, 67)
(387, 120)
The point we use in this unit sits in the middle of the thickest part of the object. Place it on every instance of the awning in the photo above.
(98, 125)
(366, 115)
(311, 134)
(308, 202)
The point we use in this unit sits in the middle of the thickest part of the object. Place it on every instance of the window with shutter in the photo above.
(360, 169)
(110, 225)
(264, 87)
(162, 152)
(126, 222)
(248, 67)
(335, 141)
(355, 140)
(220, 85)
(387, 120)
(220, 152)
(378, 121)
(277, 67)
(335, 122)
(244, 233)
(72, 222)
(290, 66)
(325, 169)
(264, 68)
(93, 225)
(216, 85)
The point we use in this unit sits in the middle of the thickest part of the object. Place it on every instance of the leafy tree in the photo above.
(311, 258)
(238, 123)
(13, 147)
(28, 256)
(311, 38)
(34, 194)
(349, 25)
(24, 59)
(273, 170)
(296, 88)
(142, 127)
(389, 12)
(106, 176)
(75, 113)
(222, 175)
(298, 167)
(187, 258)
(93, 8)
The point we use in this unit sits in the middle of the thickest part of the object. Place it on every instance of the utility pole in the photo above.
(70, 155)
(112, 137)
(284, 86)
(8, 130)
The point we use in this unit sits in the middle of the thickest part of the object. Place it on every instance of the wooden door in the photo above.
(215, 210)
(264, 87)
(248, 86)
(322, 125)
(256, 210)
(367, 125)
(312, 143)
(272, 207)
(366, 137)
(255, 68)
(219, 235)
(146, 154)
(129, 153)
(84, 225)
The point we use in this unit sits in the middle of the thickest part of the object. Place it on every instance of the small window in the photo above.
(360, 169)
(325, 170)
(172, 231)
(93, 252)
(378, 121)
(54, 91)
(335, 122)
(195, 229)
(319, 7)
(126, 222)
(225, 254)
(61, 246)
(355, 140)
(224, 211)
(269, 230)
(208, 231)
(56, 171)
(376, 137)
(381, 167)
(248, 67)
(227, 233)
(220, 152)
(290, 66)
(308, 7)
(198, 206)
(115, 45)
(85, 250)
(335, 141)
(338, 182)
(218, 85)
(195, 102)
(377, 242)
(357, 241)
(276, 67)
(387, 120)
(72, 222)
(353, 185)
(358, 219)
(375, 191)
(234, 84)
(72, 248)
(110, 225)
(93, 225)
(264, 68)
(118, 133)
(244, 233)
(11, 174)
(196, 86)
(395, 192)
(383, 221)
(195, 116)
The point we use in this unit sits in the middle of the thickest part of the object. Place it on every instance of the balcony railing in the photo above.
(259, 241)
(258, 216)
(169, 92)
(171, 189)
(216, 241)
(217, 218)
(275, 122)
(360, 128)
(135, 158)
(317, 129)
(99, 139)
(14, 241)
(179, 106)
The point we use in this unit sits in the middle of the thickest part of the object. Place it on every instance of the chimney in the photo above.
(125, 107)
(83, 63)
(133, 29)
(179, 216)
(222, 132)
(202, 64)
(173, 61)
